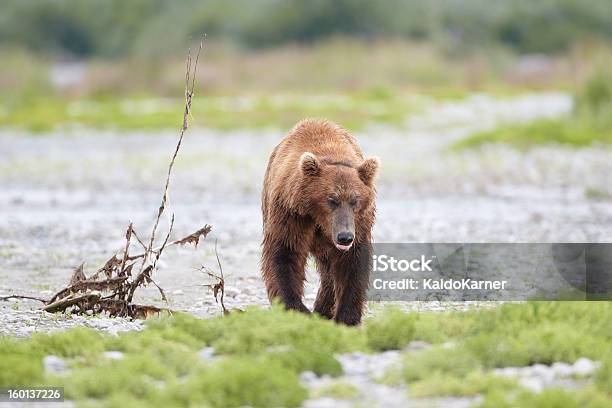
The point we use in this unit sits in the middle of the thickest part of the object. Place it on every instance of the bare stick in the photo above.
(114, 294)
(222, 289)
(5, 298)
(128, 238)
(189, 92)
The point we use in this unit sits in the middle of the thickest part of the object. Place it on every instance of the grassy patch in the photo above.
(259, 354)
(510, 335)
(589, 123)
(438, 361)
(353, 110)
(393, 330)
(567, 131)
(550, 398)
(258, 357)
(594, 193)
(338, 390)
(473, 383)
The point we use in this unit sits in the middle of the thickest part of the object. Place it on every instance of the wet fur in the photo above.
(314, 160)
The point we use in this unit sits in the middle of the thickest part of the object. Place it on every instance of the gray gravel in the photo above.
(68, 197)
(23, 323)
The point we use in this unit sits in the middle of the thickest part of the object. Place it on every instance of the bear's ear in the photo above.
(310, 164)
(368, 169)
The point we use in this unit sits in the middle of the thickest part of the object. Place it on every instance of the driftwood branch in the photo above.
(112, 287)
(9, 297)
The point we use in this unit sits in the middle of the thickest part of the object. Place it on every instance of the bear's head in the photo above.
(339, 196)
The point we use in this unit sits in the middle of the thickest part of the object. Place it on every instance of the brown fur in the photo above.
(318, 159)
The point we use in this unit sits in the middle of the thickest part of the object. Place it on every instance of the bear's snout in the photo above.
(344, 240)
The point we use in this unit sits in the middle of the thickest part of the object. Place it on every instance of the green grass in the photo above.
(392, 330)
(259, 354)
(550, 398)
(354, 111)
(338, 390)
(468, 385)
(589, 123)
(472, 343)
(566, 131)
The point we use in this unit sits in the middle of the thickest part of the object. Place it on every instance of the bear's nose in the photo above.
(345, 238)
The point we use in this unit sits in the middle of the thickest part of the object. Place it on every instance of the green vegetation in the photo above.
(259, 354)
(589, 123)
(354, 111)
(392, 330)
(550, 398)
(511, 335)
(473, 383)
(153, 27)
(338, 390)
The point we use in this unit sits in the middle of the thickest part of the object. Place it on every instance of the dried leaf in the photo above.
(111, 266)
(78, 275)
(195, 237)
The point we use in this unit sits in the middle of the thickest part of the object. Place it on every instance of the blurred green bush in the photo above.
(156, 26)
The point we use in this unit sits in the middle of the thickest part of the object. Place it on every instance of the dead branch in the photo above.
(63, 304)
(193, 238)
(189, 92)
(88, 285)
(112, 287)
(6, 298)
(218, 288)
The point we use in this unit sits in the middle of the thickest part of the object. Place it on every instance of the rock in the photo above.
(355, 363)
(562, 370)
(532, 383)
(543, 372)
(100, 323)
(417, 345)
(55, 364)
(326, 403)
(511, 372)
(308, 377)
(231, 292)
(113, 355)
(207, 353)
(584, 367)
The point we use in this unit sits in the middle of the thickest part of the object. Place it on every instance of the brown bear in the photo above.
(319, 198)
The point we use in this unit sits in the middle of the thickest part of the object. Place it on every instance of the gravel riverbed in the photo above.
(68, 197)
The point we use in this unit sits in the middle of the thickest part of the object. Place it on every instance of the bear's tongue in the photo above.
(343, 247)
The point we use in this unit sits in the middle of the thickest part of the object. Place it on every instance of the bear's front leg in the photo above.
(326, 299)
(351, 276)
(283, 273)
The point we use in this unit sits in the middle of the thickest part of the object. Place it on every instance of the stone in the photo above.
(113, 355)
(583, 367)
(207, 353)
(562, 370)
(417, 345)
(532, 383)
(54, 364)
(231, 292)
(308, 377)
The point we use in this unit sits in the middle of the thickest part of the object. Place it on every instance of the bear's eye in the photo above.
(333, 202)
(353, 202)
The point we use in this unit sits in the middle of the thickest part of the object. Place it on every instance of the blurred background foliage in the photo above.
(115, 28)
(270, 62)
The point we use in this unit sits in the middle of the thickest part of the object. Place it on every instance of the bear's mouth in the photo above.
(343, 247)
